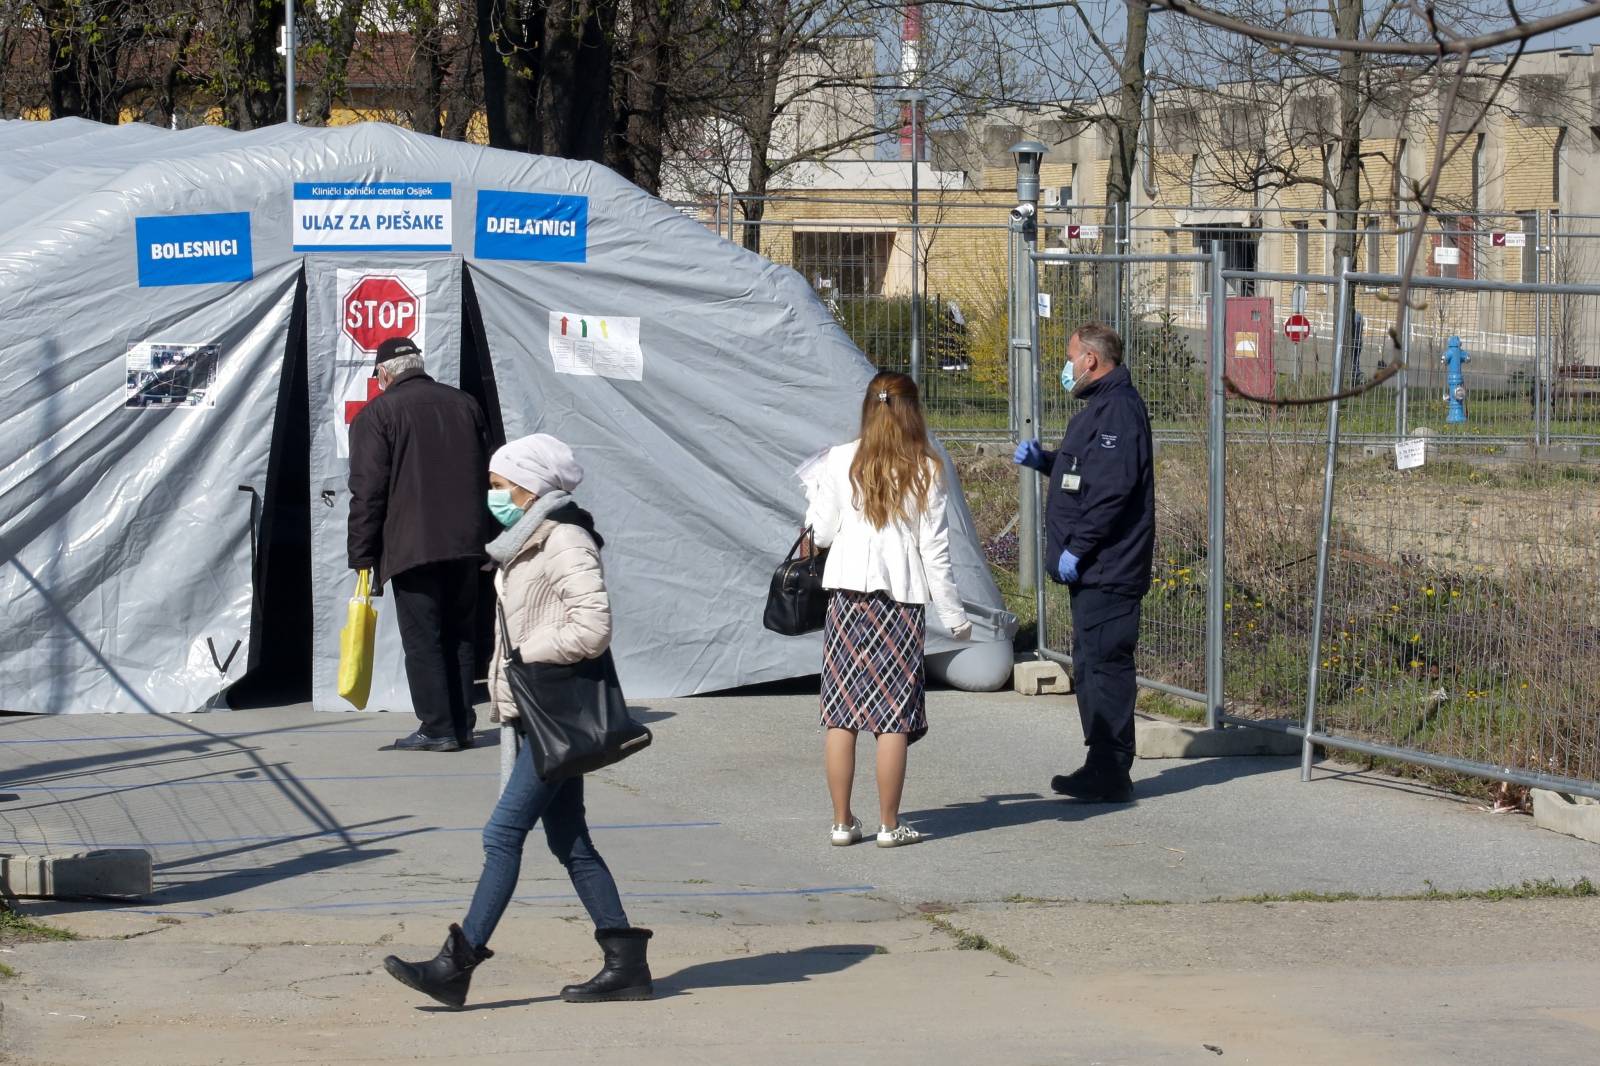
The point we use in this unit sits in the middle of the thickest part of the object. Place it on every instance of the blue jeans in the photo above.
(526, 800)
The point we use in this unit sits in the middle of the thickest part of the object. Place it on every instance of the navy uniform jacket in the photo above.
(1109, 522)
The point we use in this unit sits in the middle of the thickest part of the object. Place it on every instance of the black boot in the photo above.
(1095, 784)
(626, 973)
(444, 977)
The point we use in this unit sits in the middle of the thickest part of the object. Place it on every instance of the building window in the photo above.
(1454, 234)
(1302, 248)
(1239, 247)
(1374, 250)
(1558, 157)
(843, 264)
(1530, 251)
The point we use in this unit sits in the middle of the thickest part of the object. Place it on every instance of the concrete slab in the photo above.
(1040, 678)
(1576, 816)
(1158, 738)
(112, 872)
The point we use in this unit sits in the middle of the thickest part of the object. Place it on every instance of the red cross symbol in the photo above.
(353, 407)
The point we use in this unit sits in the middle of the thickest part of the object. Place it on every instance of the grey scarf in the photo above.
(508, 545)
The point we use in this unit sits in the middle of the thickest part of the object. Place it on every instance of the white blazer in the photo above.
(909, 560)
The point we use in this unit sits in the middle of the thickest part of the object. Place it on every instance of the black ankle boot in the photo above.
(444, 977)
(626, 973)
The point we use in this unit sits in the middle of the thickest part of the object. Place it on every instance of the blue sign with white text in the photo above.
(532, 226)
(193, 249)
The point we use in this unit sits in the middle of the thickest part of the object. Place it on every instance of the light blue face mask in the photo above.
(507, 513)
(1068, 376)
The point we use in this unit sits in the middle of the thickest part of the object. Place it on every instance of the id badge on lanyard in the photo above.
(1071, 481)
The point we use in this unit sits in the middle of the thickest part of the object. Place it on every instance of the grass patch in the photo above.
(965, 940)
(16, 927)
(1153, 702)
(1547, 888)
(6, 972)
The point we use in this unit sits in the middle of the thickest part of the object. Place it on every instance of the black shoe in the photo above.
(1090, 785)
(420, 741)
(625, 974)
(464, 741)
(444, 977)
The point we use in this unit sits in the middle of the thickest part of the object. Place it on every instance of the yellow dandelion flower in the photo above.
(1427, 592)
(1415, 663)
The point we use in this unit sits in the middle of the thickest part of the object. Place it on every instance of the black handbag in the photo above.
(573, 714)
(797, 603)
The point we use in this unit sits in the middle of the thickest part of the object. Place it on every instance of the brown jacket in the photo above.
(554, 597)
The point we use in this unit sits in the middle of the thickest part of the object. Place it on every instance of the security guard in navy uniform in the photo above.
(1101, 523)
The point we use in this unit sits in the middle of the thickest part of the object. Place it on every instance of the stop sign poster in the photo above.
(373, 306)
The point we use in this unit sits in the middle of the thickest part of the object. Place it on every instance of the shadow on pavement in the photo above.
(773, 968)
(1025, 808)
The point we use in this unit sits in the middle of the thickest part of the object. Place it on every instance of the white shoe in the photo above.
(842, 836)
(898, 837)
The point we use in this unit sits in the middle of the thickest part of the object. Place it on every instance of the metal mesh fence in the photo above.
(1170, 373)
(1463, 612)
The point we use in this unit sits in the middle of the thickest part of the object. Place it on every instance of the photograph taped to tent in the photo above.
(605, 346)
(170, 377)
(373, 307)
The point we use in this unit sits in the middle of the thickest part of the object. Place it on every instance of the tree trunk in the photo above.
(427, 70)
(249, 64)
(1124, 155)
(639, 149)
(341, 42)
(1347, 167)
(760, 114)
(66, 84)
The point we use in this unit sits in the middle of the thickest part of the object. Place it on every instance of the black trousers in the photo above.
(1105, 632)
(436, 606)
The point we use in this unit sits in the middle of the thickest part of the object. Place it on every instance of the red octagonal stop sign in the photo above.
(379, 307)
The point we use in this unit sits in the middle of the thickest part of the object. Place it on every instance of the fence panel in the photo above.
(860, 255)
(1169, 371)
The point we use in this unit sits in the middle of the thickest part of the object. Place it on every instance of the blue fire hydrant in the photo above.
(1455, 386)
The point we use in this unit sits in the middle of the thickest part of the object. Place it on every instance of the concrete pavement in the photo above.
(291, 854)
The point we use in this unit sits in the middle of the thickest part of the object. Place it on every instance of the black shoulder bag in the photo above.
(573, 714)
(797, 603)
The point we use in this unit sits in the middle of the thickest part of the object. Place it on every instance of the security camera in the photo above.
(1022, 212)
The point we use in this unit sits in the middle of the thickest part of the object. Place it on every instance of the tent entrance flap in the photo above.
(279, 670)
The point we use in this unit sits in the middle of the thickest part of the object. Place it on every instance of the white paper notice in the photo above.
(1445, 255)
(1516, 240)
(604, 346)
(1044, 305)
(1410, 453)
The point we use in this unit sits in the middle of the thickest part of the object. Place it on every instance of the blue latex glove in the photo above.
(1029, 454)
(1068, 567)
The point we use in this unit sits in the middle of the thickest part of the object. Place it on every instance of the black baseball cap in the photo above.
(396, 348)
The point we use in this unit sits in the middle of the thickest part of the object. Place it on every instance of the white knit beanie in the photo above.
(539, 463)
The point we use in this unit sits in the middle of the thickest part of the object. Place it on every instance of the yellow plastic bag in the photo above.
(356, 644)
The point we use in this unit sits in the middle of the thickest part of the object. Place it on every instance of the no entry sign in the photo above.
(378, 307)
(1297, 328)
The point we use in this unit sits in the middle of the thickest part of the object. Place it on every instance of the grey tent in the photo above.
(186, 327)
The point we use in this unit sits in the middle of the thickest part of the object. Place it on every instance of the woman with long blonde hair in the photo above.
(878, 504)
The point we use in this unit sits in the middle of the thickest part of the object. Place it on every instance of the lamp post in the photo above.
(286, 49)
(1024, 329)
(914, 98)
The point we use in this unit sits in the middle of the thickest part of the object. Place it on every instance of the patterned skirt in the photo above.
(872, 677)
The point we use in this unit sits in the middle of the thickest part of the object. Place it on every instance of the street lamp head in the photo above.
(1029, 155)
